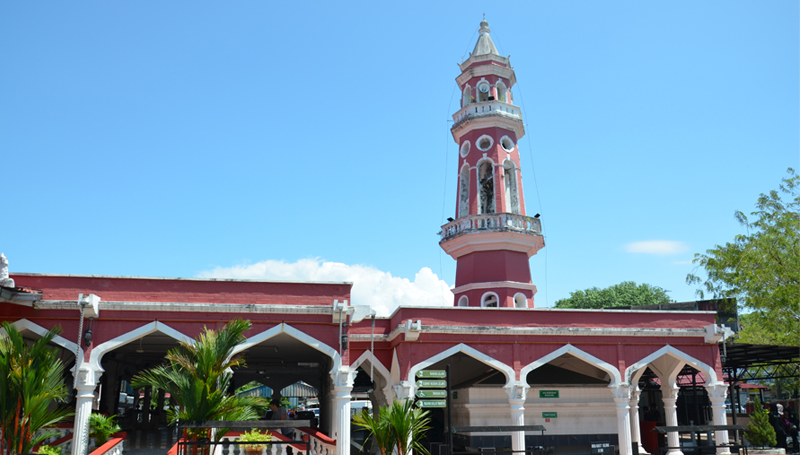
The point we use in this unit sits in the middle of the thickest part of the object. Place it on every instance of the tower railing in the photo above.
(485, 108)
(492, 222)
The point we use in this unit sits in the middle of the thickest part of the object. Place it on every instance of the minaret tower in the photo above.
(491, 238)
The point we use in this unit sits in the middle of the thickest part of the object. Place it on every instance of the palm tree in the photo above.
(198, 376)
(31, 382)
(399, 426)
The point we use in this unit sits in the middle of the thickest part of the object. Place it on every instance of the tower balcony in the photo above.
(485, 109)
(492, 231)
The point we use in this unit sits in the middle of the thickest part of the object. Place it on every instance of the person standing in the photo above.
(777, 422)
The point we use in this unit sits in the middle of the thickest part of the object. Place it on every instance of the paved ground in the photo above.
(150, 442)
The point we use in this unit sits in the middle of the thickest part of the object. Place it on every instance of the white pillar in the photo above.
(622, 399)
(85, 386)
(717, 394)
(636, 432)
(342, 386)
(517, 394)
(669, 395)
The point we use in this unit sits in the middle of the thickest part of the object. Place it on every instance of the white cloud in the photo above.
(660, 247)
(373, 287)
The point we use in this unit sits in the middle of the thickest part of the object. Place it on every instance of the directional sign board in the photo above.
(432, 403)
(431, 393)
(431, 374)
(431, 384)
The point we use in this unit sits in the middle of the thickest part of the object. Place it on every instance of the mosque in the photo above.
(582, 375)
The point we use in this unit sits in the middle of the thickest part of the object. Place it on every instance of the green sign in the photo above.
(431, 384)
(548, 394)
(431, 394)
(431, 374)
(549, 415)
(432, 403)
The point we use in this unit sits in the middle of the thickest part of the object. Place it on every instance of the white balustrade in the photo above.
(492, 222)
(486, 108)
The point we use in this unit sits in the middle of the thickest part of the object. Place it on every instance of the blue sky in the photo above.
(304, 141)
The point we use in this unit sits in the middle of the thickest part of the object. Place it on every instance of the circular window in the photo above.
(507, 143)
(465, 148)
(485, 142)
(483, 87)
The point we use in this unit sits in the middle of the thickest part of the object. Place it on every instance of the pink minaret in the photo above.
(491, 237)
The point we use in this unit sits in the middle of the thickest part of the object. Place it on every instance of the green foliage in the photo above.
(626, 293)
(759, 431)
(102, 427)
(761, 269)
(50, 450)
(399, 427)
(31, 381)
(198, 378)
(255, 436)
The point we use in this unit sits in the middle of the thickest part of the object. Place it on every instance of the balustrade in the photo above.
(492, 222)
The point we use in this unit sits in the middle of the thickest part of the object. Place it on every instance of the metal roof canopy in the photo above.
(745, 362)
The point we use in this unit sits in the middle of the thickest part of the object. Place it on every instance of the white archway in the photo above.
(24, 324)
(616, 378)
(634, 371)
(98, 352)
(296, 334)
(472, 352)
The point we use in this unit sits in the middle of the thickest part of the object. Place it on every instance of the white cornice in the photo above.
(487, 70)
(495, 285)
(497, 119)
(192, 307)
(472, 241)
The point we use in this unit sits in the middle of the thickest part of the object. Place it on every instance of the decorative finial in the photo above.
(484, 26)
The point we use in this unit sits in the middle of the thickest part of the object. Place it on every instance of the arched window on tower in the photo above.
(510, 183)
(466, 97)
(501, 91)
(483, 91)
(486, 187)
(463, 192)
(463, 301)
(489, 300)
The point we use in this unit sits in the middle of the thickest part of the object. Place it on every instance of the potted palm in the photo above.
(31, 382)
(255, 436)
(102, 427)
(399, 428)
(198, 376)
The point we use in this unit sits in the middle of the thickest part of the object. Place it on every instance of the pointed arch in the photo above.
(299, 335)
(98, 352)
(510, 186)
(472, 352)
(24, 324)
(369, 356)
(613, 372)
(708, 371)
(485, 185)
(463, 191)
(466, 96)
(501, 91)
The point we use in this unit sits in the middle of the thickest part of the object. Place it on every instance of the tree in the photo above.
(198, 377)
(759, 431)
(399, 427)
(31, 381)
(761, 269)
(626, 293)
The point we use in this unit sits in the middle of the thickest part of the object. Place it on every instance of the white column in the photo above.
(516, 400)
(85, 386)
(717, 394)
(636, 432)
(622, 399)
(342, 386)
(669, 395)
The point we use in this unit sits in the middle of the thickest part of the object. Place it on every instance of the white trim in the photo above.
(513, 145)
(219, 307)
(495, 285)
(491, 143)
(487, 294)
(98, 352)
(24, 324)
(463, 298)
(616, 378)
(468, 146)
(557, 331)
(367, 355)
(474, 353)
(296, 334)
(710, 374)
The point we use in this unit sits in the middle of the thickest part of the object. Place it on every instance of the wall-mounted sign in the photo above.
(431, 374)
(549, 415)
(432, 403)
(601, 447)
(548, 394)
(431, 384)
(436, 393)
